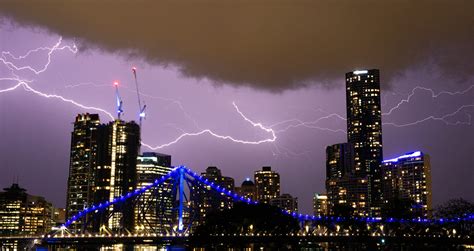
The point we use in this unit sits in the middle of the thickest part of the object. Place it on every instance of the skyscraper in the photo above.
(153, 213)
(364, 130)
(83, 161)
(116, 173)
(407, 178)
(267, 183)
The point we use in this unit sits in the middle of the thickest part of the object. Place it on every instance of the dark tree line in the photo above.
(243, 218)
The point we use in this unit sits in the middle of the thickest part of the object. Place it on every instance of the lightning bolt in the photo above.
(434, 95)
(295, 123)
(206, 131)
(132, 90)
(88, 84)
(287, 152)
(50, 50)
(210, 132)
(442, 118)
(431, 91)
(288, 124)
(28, 88)
(200, 131)
(309, 124)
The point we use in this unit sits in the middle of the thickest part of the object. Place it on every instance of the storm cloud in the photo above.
(270, 45)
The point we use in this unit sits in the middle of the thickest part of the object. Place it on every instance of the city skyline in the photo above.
(177, 102)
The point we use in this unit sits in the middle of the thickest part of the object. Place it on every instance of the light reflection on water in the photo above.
(120, 247)
(307, 246)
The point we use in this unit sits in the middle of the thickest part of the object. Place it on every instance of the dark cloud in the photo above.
(273, 45)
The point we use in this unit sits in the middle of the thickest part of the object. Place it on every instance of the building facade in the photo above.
(205, 199)
(320, 204)
(154, 211)
(339, 165)
(116, 174)
(408, 178)
(285, 202)
(22, 213)
(59, 216)
(343, 186)
(83, 161)
(247, 189)
(267, 183)
(364, 131)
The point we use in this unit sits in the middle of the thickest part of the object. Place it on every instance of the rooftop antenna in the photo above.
(141, 109)
(118, 99)
(16, 178)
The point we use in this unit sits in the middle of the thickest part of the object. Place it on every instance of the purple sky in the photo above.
(35, 130)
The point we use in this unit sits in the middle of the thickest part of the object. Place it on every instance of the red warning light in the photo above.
(116, 83)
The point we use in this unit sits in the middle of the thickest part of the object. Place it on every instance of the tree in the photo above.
(243, 218)
(457, 208)
(454, 208)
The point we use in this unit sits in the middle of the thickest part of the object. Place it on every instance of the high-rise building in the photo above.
(116, 173)
(285, 202)
(83, 161)
(205, 199)
(21, 213)
(102, 167)
(153, 213)
(320, 204)
(267, 183)
(364, 131)
(343, 187)
(408, 178)
(247, 189)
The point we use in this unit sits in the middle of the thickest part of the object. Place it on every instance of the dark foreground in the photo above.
(311, 242)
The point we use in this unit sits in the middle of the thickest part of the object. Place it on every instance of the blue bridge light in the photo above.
(222, 191)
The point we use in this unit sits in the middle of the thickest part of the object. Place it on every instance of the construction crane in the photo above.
(141, 109)
(118, 100)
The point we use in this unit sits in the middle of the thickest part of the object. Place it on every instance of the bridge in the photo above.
(108, 222)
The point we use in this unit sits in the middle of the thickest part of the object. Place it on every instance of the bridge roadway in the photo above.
(236, 239)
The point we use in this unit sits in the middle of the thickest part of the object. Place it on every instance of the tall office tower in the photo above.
(21, 213)
(407, 178)
(116, 173)
(364, 130)
(343, 187)
(285, 202)
(320, 204)
(154, 210)
(247, 189)
(83, 160)
(205, 199)
(267, 183)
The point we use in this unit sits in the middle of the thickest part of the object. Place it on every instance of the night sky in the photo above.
(282, 63)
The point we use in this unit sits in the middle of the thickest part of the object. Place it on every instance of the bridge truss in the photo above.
(176, 216)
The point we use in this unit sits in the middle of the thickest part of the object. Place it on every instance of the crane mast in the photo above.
(141, 109)
(118, 100)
